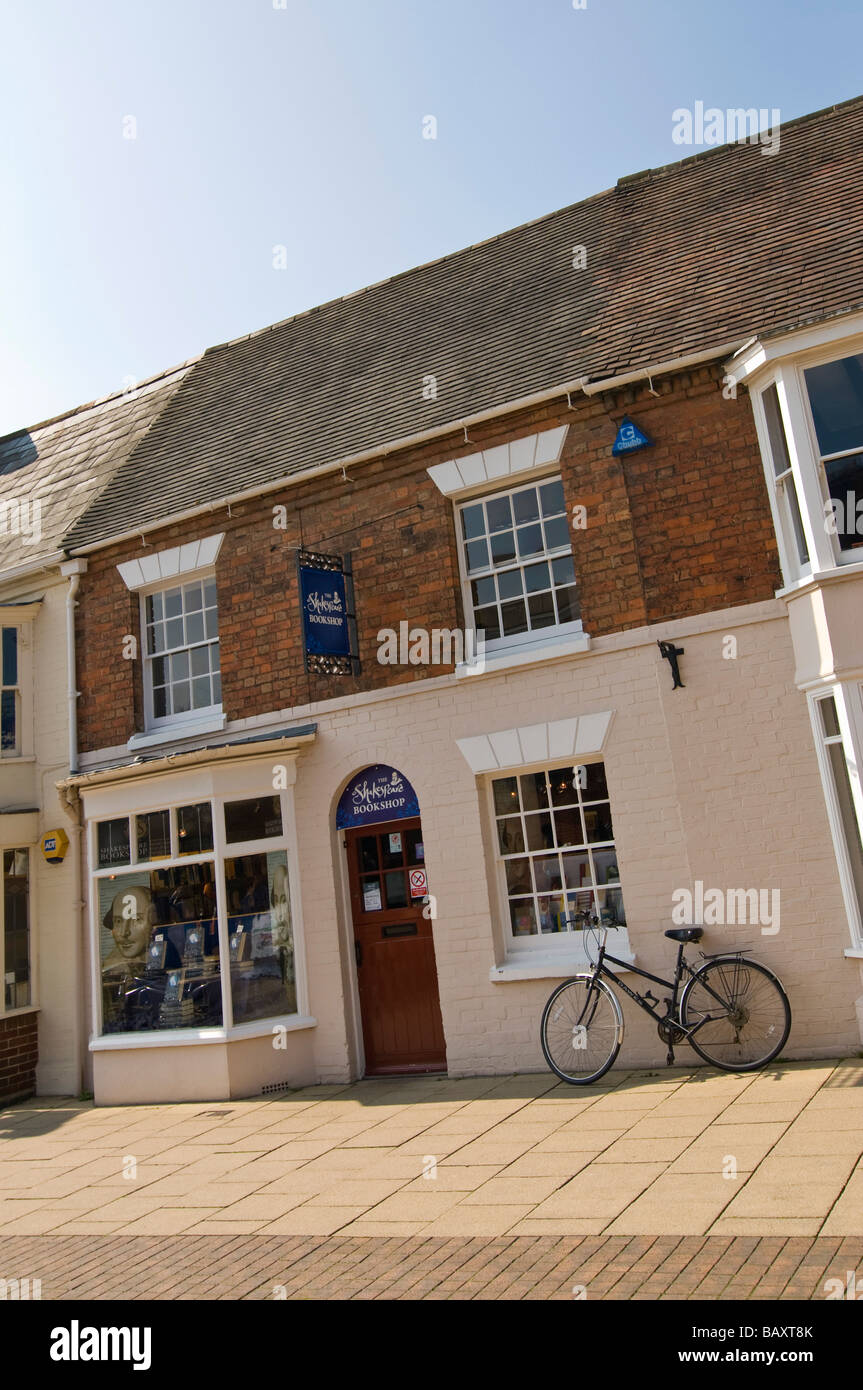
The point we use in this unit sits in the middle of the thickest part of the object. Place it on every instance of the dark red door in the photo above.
(399, 1001)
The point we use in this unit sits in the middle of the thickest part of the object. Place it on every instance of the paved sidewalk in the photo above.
(647, 1154)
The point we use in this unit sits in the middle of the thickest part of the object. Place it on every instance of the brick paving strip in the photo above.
(379, 1267)
(677, 1185)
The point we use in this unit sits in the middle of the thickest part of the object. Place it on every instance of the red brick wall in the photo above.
(19, 1053)
(681, 528)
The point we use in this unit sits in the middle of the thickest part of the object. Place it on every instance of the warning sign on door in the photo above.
(419, 883)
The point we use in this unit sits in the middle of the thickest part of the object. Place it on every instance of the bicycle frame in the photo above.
(682, 968)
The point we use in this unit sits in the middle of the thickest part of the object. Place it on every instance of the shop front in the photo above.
(198, 973)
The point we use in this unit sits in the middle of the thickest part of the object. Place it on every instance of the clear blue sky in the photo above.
(260, 126)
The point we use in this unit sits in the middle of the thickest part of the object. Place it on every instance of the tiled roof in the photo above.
(699, 254)
(50, 474)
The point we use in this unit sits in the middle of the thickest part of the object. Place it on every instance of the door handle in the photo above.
(358, 952)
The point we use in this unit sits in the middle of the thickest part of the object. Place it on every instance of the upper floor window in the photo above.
(517, 562)
(10, 696)
(835, 391)
(181, 628)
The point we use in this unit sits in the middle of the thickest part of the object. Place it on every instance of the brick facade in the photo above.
(19, 1053)
(676, 530)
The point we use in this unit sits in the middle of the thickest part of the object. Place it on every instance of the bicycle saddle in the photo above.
(685, 933)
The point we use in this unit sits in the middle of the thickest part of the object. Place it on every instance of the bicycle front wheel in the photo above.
(581, 1029)
(740, 1011)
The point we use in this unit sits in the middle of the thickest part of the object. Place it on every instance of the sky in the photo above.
(177, 173)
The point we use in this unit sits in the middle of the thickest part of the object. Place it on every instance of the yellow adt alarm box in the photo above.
(54, 844)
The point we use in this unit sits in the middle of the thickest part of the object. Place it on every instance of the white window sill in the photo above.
(550, 965)
(18, 1013)
(854, 952)
(191, 1037)
(525, 654)
(172, 733)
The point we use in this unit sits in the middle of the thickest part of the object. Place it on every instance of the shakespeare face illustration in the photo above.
(130, 921)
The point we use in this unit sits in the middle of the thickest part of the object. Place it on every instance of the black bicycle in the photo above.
(732, 1010)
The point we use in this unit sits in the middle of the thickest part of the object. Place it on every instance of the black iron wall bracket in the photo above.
(671, 653)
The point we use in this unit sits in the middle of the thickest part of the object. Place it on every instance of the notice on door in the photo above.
(419, 883)
(371, 897)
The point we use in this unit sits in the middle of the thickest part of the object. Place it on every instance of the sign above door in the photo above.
(376, 794)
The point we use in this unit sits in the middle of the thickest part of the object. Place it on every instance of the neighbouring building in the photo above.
(325, 831)
(49, 475)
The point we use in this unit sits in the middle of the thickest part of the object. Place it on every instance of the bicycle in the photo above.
(733, 1011)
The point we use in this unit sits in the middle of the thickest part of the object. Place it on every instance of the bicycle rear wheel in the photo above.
(581, 1029)
(743, 1013)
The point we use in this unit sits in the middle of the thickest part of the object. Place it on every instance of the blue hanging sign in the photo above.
(325, 613)
(629, 437)
(376, 794)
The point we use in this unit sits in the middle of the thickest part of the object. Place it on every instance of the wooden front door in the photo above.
(399, 1002)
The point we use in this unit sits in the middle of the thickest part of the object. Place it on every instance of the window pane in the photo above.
(850, 827)
(499, 514)
(534, 794)
(153, 831)
(212, 617)
(829, 717)
(541, 609)
(487, 621)
(8, 722)
(510, 584)
(513, 618)
(112, 843)
(180, 666)
(159, 949)
(551, 497)
(194, 627)
(546, 869)
(552, 913)
(538, 829)
(472, 522)
(253, 820)
(536, 577)
(568, 605)
(192, 597)
(173, 603)
(505, 791)
(181, 696)
(522, 913)
(564, 789)
(16, 927)
(569, 827)
(530, 541)
(156, 638)
(845, 486)
(576, 870)
(477, 555)
(836, 396)
(518, 879)
(562, 569)
(174, 633)
(154, 607)
(160, 702)
(201, 696)
(195, 828)
(260, 936)
(10, 656)
(789, 500)
(395, 889)
(502, 548)
(525, 506)
(556, 533)
(597, 820)
(594, 784)
(510, 835)
(776, 431)
(482, 591)
(210, 593)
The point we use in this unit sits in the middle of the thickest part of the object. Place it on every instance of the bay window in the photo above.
(193, 916)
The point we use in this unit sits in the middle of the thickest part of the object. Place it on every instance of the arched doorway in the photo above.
(378, 813)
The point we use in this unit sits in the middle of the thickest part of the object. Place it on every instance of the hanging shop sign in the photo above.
(629, 438)
(376, 794)
(326, 599)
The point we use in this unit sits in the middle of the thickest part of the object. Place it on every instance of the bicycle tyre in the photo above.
(572, 998)
(769, 1012)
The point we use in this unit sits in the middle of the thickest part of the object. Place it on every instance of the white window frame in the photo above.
(785, 368)
(196, 793)
(534, 637)
(172, 722)
(10, 616)
(31, 933)
(848, 700)
(523, 948)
